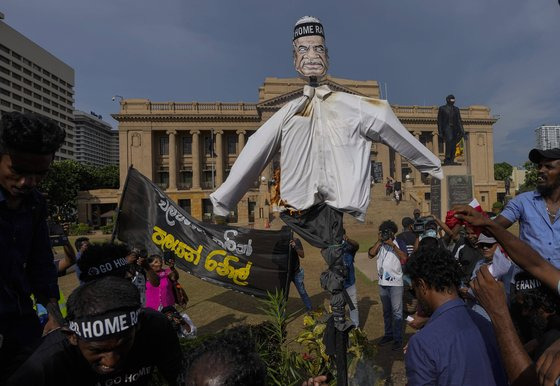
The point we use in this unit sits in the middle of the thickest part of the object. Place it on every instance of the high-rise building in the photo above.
(96, 141)
(548, 137)
(34, 80)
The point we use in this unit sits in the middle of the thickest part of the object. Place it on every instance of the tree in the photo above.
(530, 177)
(66, 178)
(502, 171)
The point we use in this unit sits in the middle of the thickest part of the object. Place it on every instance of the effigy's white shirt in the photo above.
(325, 141)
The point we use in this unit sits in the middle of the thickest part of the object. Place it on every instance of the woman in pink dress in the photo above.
(160, 283)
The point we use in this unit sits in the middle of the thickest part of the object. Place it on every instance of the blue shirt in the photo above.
(535, 227)
(456, 347)
(27, 258)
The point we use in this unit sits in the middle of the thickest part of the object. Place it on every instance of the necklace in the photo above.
(552, 215)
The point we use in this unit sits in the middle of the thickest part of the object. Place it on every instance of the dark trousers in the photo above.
(20, 337)
(451, 138)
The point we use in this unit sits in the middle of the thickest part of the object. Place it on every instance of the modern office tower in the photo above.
(34, 80)
(96, 142)
(548, 137)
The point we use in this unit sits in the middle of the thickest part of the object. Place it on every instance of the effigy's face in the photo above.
(310, 56)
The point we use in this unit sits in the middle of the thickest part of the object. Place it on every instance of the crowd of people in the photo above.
(485, 306)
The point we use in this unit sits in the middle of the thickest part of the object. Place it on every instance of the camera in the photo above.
(386, 234)
(57, 235)
(419, 225)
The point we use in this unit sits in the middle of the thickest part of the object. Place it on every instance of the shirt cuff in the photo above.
(219, 209)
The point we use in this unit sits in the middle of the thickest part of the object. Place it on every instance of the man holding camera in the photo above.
(391, 255)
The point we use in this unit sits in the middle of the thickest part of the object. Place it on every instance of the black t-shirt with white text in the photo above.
(58, 363)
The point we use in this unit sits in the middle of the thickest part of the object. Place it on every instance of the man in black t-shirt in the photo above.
(407, 236)
(109, 340)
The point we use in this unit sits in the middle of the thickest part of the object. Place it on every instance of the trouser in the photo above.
(354, 315)
(20, 337)
(392, 301)
(451, 139)
(300, 286)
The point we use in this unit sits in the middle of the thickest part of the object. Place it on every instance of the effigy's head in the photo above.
(310, 52)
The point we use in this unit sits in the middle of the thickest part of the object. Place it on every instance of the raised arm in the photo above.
(519, 251)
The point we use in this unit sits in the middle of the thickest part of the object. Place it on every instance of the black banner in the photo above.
(246, 260)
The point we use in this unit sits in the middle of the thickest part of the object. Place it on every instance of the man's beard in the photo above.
(546, 190)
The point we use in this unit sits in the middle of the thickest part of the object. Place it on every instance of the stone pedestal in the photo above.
(456, 188)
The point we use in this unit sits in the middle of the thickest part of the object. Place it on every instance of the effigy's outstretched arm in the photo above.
(257, 153)
(382, 125)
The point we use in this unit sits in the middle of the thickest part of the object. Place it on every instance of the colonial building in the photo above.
(189, 148)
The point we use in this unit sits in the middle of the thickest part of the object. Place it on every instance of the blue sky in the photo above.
(484, 52)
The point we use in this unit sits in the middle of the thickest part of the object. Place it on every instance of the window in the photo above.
(162, 179)
(6, 60)
(208, 145)
(232, 216)
(251, 208)
(187, 145)
(185, 179)
(207, 182)
(185, 204)
(164, 145)
(231, 140)
(207, 210)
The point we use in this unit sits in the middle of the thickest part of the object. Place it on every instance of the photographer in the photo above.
(391, 255)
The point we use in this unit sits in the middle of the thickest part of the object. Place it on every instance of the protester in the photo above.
(390, 256)
(227, 359)
(160, 283)
(109, 340)
(407, 236)
(397, 188)
(350, 247)
(136, 273)
(27, 146)
(491, 295)
(466, 252)
(538, 211)
(298, 274)
(100, 260)
(81, 244)
(456, 346)
(181, 322)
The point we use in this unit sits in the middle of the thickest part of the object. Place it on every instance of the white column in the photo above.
(195, 159)
(240, 140)
(172, 160)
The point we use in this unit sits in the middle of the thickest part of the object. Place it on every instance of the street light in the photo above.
(114, 98)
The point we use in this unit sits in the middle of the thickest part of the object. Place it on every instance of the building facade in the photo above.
(96, 141)
(189, 148)
(34, 80)
(548, 137)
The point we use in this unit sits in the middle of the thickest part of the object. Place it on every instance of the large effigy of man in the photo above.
(325, 139)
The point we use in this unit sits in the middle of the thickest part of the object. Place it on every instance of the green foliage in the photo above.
(315, 361)
(66, 178)
(530, 177)
(502, 171)
(282, 363)
(107, 229)
(79, 229)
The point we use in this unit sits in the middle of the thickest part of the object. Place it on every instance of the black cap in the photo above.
(450, 96)
(537, 155)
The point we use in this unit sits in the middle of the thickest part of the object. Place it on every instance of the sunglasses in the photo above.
(485, 245)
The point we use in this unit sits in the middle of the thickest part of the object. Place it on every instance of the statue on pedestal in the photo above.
(450, 128)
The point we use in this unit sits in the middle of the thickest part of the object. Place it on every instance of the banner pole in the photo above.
(114, 234)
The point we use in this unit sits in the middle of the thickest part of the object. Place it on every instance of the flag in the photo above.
(246, 260)
(460, 148)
